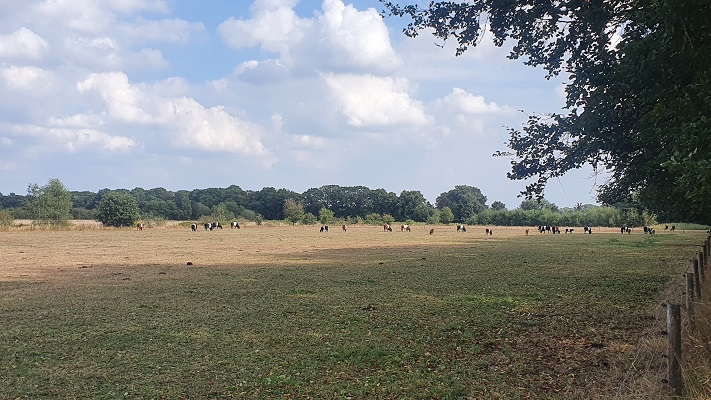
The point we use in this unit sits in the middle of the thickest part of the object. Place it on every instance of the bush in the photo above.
(6, 220)
(309, 219)
(117, 209)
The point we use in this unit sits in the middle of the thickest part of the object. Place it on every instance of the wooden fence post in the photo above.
(702, 263)
(674, 352)
(697, 281)
(690, 298)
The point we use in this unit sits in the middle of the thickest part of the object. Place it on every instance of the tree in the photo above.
(446, 216)
(638, 91)
(325, 215)
(293, 210)
(309, 219)
(537, 204)
(413, 205)
(498, 206)
(463, 200)
(51, 204)
(117, 209)
(6, 220)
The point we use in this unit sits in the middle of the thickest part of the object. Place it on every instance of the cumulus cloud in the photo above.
(26, 78)
(467, 103)
(355, 38)
(187, 123)
(23, 44)
(340, 38)
(274, 27)
(375, 101)
(267, 72)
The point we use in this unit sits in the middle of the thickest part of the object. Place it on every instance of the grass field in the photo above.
(288, 312)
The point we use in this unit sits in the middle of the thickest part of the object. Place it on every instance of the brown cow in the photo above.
(431, 231)
(405, 228)
(344, 228)
(139, 226)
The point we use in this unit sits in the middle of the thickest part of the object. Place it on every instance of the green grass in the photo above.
(550, 317)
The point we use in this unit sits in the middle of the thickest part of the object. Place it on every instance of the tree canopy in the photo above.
(638, 91)
(50, 204)
(117, 209)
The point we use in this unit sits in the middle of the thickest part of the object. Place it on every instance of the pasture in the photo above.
(289, 312)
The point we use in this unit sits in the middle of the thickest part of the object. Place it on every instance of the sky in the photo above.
(269, 93)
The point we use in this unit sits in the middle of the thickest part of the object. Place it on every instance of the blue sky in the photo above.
(284, 93)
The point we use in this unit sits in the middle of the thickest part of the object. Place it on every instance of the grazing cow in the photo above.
(234, 224)
(324, 228)
(431, 231)
(489, 231)
(139, 226)
(666, 227)
(387, 228)
(345, 228)
(673, 228)
(216, 225)
(404, 228)
(588, 230)
(321, 230)
(208, 226)
(526, 232)
(193, 226)
(461, 228)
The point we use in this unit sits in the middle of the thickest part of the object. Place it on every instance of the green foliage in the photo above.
(325, 216)
(446, 216)
(537, 204)
(498, 206)
(309, 219)
(388, 219)
(50, 205)
(413, 205)
(434, 217)
(373, 219)
(117, 209)
(293, 211)
(464, 201)
(83, 213)
(637, 107)
(6, 220)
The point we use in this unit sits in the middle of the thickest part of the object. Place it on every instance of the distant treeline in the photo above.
(463, 204)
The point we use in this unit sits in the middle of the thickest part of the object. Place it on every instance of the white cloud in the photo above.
(374, 101)
(340, 38)
(186, 123)
(309, 142)
(468, 103)
(26, 78)
(274, 27)
(355, 38)
(23, 44)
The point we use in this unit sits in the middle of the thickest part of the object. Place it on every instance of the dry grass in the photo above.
(280, 311)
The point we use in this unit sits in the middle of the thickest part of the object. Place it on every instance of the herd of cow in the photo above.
(209, 226)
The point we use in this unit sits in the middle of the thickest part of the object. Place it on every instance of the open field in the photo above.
(288, 312)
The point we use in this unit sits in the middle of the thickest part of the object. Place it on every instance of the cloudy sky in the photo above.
(285, 93)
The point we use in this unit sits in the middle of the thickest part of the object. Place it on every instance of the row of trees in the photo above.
(54, 205)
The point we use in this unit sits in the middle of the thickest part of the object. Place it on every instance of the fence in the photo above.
(694, 280)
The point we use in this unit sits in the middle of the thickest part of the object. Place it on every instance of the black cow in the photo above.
(208, 226)
(234, 224)
(193, 227)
